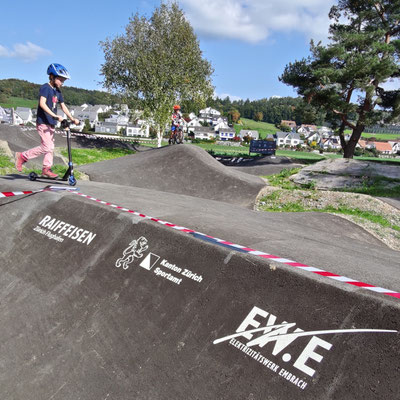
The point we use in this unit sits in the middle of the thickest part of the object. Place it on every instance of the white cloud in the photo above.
(4, 52)
(254, 20)
(26, 52)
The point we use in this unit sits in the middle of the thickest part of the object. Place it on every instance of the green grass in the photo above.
(282, 178)
(14, 102)
(368, 215)
(5, 161)
(380, 136)
(88, 156)
(301, 156)
(378, 187)
(79, 157)
(224, 150)
(394, 161)
(6, 166)
(263, 128)
(298, 207)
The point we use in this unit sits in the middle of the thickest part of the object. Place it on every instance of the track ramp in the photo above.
(181, 169)
(101, 304)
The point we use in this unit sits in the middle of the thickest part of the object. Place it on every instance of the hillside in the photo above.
(263, 128)
(10, 89)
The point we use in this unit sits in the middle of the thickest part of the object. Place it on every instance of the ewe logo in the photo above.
(135, 249)
(315, 349)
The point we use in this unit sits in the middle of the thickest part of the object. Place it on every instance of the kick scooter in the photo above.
(69, 175)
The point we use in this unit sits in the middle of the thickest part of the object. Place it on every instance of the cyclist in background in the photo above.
(176, 122)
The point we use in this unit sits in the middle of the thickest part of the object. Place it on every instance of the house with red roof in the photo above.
(383, 147)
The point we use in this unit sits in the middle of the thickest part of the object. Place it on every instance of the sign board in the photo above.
(266, 147)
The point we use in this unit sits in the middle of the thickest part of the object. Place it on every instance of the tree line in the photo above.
(271, 110)
(74, 96)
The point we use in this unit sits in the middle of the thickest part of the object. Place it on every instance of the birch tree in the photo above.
(157, 63)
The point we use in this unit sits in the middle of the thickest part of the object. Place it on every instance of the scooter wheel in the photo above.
(72, 181)
(32, 176)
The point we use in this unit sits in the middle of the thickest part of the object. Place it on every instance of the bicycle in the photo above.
(176, 136)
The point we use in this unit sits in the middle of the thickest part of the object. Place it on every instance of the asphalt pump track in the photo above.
(122, 292)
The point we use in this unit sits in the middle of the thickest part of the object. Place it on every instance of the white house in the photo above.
(106, 127)
(5, 115)
(226, 133)
(118, 118)
(218, 120)
(395, 146)
(332, 142)
(203, 132)
(134, 130)
(221, 125)
(105, 107)
(245, 132)
(314, 137)
(383, 147)
(15, 118)
(306, 129)
(145, 127)
(193, 123)
(84, 115)
(287, 139)
(207, 114)
(140, 129)
(96, 108)
(210, 112)
(325, 132)
(25, 114)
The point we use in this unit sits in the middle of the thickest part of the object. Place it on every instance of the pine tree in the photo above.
(345, 78)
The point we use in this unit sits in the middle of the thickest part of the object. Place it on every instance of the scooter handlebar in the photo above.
(65, 124)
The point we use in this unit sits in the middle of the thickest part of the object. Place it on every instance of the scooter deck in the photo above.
(69, 175)
(70, 180)
(50, 179)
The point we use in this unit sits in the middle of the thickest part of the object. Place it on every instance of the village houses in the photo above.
(291, 139)
(209, 124)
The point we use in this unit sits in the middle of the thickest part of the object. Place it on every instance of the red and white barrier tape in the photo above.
(11, 194)
(254, 252)
(46, 189)
(221, 242)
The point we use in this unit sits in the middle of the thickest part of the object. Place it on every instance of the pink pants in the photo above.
(46, 147)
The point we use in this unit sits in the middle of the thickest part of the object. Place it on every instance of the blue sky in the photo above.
(248, 42)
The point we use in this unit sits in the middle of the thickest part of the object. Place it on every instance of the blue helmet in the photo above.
(58, 70)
